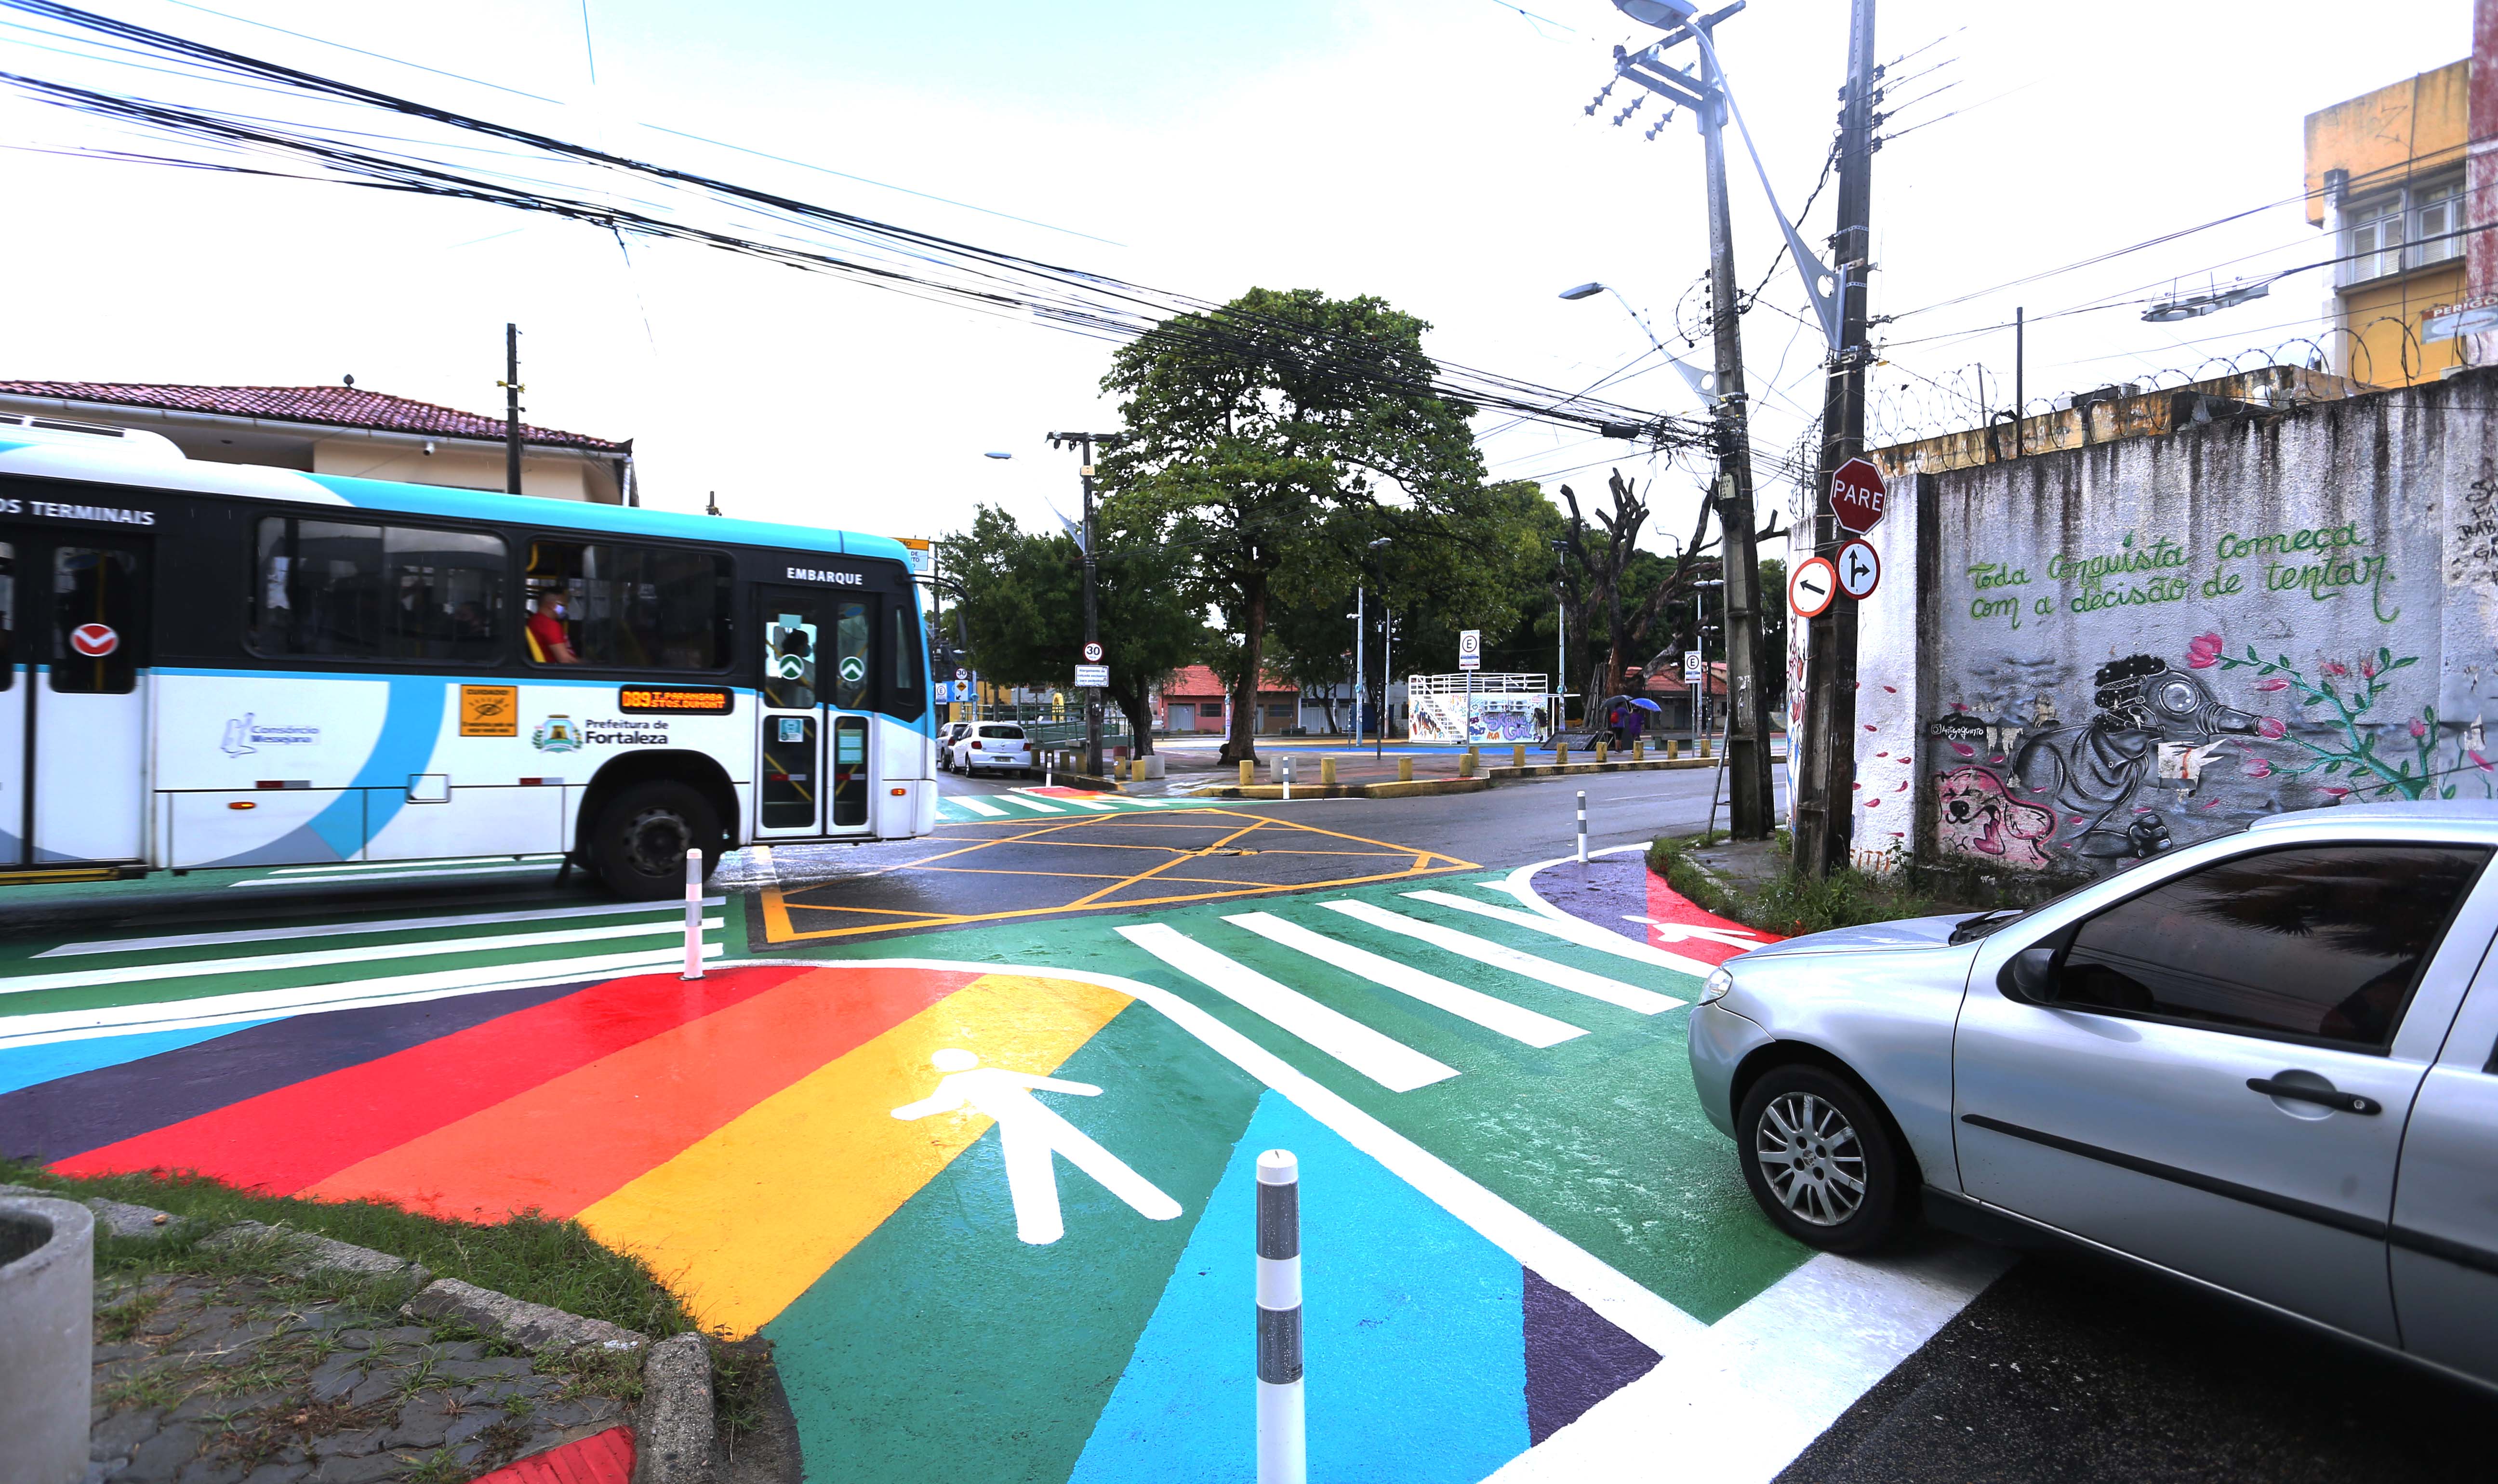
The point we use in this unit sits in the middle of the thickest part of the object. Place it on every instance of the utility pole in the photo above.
(1751, 802)
(511, 410)
(1825, 784)
(1092, 606)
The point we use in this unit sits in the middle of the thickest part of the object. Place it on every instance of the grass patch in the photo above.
(741, 1374)
(1787, 904)
(529, 1256)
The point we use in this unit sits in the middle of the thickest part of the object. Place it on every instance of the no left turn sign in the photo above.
(1860, 570)
(1811, 586)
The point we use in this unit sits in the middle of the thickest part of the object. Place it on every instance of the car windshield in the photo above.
(1014, 732)
(1987, 924)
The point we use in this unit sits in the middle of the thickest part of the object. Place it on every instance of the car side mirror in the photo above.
(2030, 976)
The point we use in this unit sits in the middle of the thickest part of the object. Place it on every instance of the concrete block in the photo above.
(1517, 755)
(1248, 772)
(672, 1433)
(532, 1325)
(1151, 766)
(123, 1219)
(47, 1339)
(1405, 770)
(1327, 772)
(306, 1253)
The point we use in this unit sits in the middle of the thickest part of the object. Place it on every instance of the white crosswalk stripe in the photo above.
(976, 806)
(1569, 930)
(1033, 804)
(129, 974)
(1612, 991)
(1383, 1060)
(1514, 1021)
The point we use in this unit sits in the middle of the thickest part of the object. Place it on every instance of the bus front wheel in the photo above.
(638, 847)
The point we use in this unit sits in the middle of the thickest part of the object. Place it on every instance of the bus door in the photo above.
(813, 774)
(74, 712)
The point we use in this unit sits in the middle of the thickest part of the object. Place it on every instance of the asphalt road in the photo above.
(2066, 1370)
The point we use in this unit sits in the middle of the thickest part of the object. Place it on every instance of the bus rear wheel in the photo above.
(637, 848)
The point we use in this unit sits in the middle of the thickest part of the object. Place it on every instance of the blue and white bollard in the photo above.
(694, 915)
(1583, 826)
(1282, 1446)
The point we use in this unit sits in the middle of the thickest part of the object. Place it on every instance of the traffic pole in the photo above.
(1583, 826)
(1282, 1440)
(694, 915)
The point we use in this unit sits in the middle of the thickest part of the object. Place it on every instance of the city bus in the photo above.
(206, 665)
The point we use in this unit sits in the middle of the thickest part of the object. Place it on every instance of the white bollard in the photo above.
(1283, 1454)
(1583, 826)
(694, 915)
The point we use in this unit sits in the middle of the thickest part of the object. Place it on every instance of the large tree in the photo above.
(1618, 592)
(1021, 601)
(1269, 441)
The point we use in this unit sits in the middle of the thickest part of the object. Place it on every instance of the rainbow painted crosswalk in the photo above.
(1511, 1209)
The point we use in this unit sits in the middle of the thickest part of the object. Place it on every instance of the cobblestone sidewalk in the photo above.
(239, 1378)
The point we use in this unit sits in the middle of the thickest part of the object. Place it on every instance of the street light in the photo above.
(1702, 384)
(1092, 609)
(1378, 738)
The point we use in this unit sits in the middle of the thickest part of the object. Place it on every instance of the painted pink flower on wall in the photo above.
(2419, 729)
(2271, 727)
(2257, 767)
(2272, 682)
(2203, 651)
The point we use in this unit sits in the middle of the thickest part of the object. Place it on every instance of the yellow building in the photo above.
(2385, 172)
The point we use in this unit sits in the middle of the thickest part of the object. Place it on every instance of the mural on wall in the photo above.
(2119, 786)
(1981, 819)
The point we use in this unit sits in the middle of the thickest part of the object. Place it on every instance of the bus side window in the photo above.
(377, 593)
(633, 607)
(8, 615)
(906, 694)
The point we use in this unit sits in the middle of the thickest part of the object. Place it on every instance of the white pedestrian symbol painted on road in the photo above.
(1029, 1134)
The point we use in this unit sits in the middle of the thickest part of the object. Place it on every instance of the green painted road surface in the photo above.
(1599, 1137)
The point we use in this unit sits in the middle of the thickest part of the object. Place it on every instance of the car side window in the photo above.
(2320, 944)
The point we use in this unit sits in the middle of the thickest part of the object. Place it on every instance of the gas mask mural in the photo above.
(2155, 725)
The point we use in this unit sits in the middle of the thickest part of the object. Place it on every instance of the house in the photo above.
(1666, 686)
(341, 430)
(2386, 173)
(1193, 699)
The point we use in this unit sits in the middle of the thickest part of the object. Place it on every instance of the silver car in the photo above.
(2268, 1062)
(995, 746)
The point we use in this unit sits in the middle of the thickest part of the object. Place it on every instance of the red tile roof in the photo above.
(331, 406)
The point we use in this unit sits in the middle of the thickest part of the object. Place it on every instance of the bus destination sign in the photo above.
(676, 700)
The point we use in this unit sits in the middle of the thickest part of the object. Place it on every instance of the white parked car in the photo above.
(947, 736)
(2268, 1062)
(994, 747)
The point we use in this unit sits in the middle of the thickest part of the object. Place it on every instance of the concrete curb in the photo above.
(531, 1326)
(314, 1254)
(673, 1430)
(1509, 773)
(115, 1218)
(1391, 788)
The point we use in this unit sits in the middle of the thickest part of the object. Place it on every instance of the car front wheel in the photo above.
(1819, 1159)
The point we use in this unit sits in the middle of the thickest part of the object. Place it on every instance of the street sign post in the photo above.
(1811, 586)
(1092, 675)
(1470, 649)
(1856, 495)
(1691, 666)
(1860, 569)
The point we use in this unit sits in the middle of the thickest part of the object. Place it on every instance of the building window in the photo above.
(2438, 220)
(2416, 227)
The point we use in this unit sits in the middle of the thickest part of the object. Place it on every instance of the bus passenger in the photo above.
(546, 626)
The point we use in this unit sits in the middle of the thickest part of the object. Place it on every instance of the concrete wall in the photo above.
(546, 473)
(2086, 656)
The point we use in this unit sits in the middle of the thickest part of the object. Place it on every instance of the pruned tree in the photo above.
(1263, 439)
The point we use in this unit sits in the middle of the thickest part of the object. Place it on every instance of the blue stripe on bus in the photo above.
(411, 725)
(623, 520)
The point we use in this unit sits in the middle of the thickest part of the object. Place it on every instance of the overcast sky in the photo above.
(1434, 153)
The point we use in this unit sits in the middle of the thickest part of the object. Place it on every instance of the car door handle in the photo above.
(2345, 1102)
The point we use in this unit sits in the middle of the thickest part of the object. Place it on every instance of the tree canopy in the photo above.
(1269, 442)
